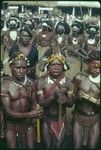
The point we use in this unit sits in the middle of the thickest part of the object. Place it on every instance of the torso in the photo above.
(52, 110)
(77, 42)
(85, 106)
(19, 96)
(45, 38)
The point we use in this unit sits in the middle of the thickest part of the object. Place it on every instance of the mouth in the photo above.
(56, 70)
(20, 76)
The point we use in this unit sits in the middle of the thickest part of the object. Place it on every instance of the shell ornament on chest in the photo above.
(91, 41)
(13, 35)
(60, 39)
(44, 35)
(75, 41)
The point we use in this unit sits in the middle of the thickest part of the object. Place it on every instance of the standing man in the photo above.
(42, 41)
(18, 98)
(55, 94)
(30, 51)
(2, 140)
(86, 112)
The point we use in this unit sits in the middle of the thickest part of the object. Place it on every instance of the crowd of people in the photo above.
(50, 81)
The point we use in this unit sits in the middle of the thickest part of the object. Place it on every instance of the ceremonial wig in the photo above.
(92, 29)
(94, 55)
(79, 25)
(63, 26)
(28, 23)
(27, 29)
(47, 24)
(60, 58)
(18, 56)
(13, 21)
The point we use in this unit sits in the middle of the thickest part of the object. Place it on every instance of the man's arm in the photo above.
(89, 98)
(43, 99)
(6, 103)
(76, 81)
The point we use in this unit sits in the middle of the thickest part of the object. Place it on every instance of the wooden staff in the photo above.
(60, 115)
(39, 93)
(38, 128)
(92, 99)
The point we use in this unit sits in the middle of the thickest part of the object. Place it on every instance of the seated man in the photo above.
(18, 99)
(54, 95)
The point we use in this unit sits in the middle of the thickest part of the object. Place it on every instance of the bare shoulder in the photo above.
(79, 76)
(5, 86)
(31, 82)
(40, 82)
(5, 82)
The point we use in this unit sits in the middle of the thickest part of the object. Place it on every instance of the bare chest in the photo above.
(20, 100)
(89, 87)
(17, 92)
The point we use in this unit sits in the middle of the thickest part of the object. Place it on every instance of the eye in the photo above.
(17, 67)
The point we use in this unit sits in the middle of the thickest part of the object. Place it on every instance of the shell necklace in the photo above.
(21, 84)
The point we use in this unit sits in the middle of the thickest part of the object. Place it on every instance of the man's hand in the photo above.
(88, 97)
(81, 94)
(37, 113)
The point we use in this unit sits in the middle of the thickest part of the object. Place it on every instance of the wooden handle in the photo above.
(38, 130)
(38, 127)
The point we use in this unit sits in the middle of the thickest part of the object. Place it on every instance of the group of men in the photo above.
(35, 109)
(23, 101)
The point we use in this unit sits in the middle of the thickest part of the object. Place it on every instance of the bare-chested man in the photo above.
(42, 41)
(55, 94)
(86, 113)
(19, 104)
(1, 114)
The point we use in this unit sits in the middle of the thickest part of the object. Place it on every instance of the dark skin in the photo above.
(59, 95)
(25, 45)
(25, 42)
(1, 114)
(43, 38)
(84, 88)
(18, 108)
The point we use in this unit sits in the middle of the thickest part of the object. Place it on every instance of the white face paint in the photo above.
(13, 35)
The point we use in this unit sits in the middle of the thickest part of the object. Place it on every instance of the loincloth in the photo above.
(18, 128)
(56, 129)
(1, 125)
(86, 120)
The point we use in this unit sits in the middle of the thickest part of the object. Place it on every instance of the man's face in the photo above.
(61, 30)
(94, 68)
(25, 38)
(55, 68)
(19, 69)
(75, 31)
(13, 25)
(44, 28)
